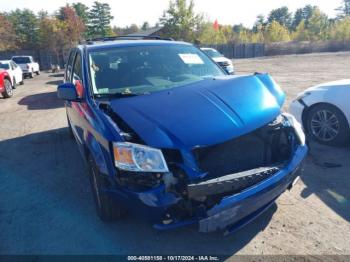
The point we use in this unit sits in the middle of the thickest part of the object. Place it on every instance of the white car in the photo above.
(14, 71)
(219, 58)
(324, 111)
(27, 64)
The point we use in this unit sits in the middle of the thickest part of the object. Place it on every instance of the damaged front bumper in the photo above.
(232, 212)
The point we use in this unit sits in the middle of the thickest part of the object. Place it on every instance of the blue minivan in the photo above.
(171, 137)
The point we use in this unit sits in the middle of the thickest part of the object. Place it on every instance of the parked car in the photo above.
(14, 71)
(27, 64)
(220, 59)
(168, 135)
(5, 84)
(324, 111)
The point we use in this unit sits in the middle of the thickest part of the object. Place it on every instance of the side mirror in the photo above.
(67, 91)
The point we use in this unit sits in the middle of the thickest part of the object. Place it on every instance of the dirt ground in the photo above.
(46, 206)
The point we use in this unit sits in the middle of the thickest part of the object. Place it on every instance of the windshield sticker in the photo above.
(192, 59)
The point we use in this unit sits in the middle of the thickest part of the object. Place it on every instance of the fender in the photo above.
(96, 152)
(3, 75)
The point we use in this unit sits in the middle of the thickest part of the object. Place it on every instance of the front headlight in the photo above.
(297, 127)
(138, 158)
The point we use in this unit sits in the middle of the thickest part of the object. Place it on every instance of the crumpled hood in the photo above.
(203, 113)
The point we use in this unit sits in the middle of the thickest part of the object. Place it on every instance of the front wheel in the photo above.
(106, 207)
(37, 72)
(31, 75)
(8, 89)
(328, 125)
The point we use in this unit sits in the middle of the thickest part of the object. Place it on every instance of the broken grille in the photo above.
(266, 146)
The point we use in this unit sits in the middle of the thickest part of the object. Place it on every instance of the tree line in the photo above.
(73, 23)
(308, 23)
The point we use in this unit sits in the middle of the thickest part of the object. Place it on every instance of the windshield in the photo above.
(21, 60)
(146, 69)
(4, 66)
(212, 53)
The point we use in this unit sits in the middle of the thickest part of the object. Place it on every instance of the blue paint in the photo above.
(203, 113)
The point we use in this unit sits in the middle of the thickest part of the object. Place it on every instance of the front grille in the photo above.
(172, 156)
(264, 147)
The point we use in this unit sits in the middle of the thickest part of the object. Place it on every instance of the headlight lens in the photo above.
(297, 127)
(138, 158)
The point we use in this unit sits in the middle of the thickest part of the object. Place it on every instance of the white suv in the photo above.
(219, 58)
(27, 64)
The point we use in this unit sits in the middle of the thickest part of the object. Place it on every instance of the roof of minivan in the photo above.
(128, 43)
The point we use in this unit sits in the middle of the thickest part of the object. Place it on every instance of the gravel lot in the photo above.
(46, 206)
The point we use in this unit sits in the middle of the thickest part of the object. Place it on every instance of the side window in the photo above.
(12, 66)
(70, 66)
(77, 75)
(77, 70)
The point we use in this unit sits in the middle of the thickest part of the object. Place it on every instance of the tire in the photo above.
(37, 73)
(106, 207)
(8, 89)
(31, 75)
(22, 82)
(327, 125)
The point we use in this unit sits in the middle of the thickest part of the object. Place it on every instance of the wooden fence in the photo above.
(305, 47)
(240, 50)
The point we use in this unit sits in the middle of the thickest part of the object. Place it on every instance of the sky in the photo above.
(126, 12)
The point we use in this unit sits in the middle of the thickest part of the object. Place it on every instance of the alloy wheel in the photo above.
(325, 125)
(8, 88)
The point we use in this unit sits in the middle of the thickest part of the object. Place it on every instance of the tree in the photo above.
(301, 33)
(238, 28)
(52, 35)
(318, 26)
(82, 11)
(344, 10)
(8, 35)
(25, 24)
(99, 20)
(73, 25)
(341, 30)
(42, 14)
(303, 14)
(276, 32)
(133, 28)
(145, 26)
(259, 24)
(179, 20)
(282, 16)
(208, 35)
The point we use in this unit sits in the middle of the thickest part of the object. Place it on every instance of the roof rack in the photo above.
(126, 37)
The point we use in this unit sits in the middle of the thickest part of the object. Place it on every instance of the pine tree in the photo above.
(344, 10)
(180, 21)
(99, 20)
